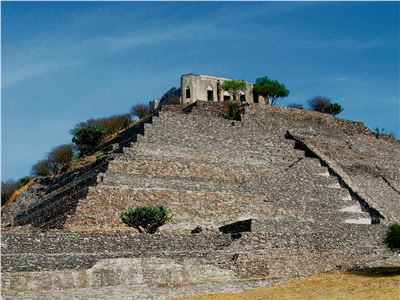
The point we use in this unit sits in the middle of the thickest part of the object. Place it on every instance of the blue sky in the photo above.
(63, 63)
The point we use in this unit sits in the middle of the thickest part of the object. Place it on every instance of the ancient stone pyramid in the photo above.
(279, 194)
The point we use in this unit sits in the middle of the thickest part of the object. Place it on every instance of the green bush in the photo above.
(88, 138)
(41, 168)
(146, 218)
(392, 239)
(25, 180)
(324, 105)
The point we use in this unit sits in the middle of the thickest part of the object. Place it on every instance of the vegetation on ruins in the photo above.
(88, 138)
(272, 89)
(61, 156)
(392, 239)
(324, 105)
(41, 168)
(140, 110)
(89, 134)
(381, 133)
(231, 110)
(234, 87)
(7, 188)
(296, 105)
(146, 218)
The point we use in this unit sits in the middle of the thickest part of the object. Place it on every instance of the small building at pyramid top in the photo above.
(205, 88)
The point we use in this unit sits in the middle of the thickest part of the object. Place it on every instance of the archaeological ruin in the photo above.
(283, 193)
(205, 88)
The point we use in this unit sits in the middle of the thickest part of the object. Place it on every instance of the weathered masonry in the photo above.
(205, 88)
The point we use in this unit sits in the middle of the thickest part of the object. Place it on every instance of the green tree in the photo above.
(271, 89)
(146, 218)
(88, 138)
(234, 87)
(324, 105)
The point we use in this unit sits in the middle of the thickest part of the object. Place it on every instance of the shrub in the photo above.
(61, 156)
(112, 124)
(296, 105)
(25, 180)
(324, 105)
(146, 218)
(7, 188)
(392, 239)
(88, 138)
(115, 123)
(140, 110)
(231, 110)
(383, 134)
(41, 168)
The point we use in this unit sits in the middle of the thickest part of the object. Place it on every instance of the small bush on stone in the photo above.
(146, 218)
(296, 105)
(41, 168)
(383, 134)
(231, 110)
(392, 239)
(324, 105)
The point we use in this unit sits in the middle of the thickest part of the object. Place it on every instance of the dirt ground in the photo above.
(376, 284)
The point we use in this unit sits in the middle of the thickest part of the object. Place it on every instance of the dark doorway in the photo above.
(187, 93)
(242, 98)
(210, 95)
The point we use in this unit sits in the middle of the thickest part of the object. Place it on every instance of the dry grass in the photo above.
(18, 192)
(379, 285)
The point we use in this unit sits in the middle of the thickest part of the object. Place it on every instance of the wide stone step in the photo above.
(193, 134)
(204, 171)
(259, 186)
(281, 147)
(226, 155)
(104, 204)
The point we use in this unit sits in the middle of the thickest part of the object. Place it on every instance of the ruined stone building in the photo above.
(205, 88)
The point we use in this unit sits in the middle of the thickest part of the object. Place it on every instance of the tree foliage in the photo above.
(88, 138)
(324, 105)
(111, 124)
(61, 156)
(146, 218)
(392, 239)
(42, 168)
(140, 110)
(271, 89)
(234, 87)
